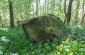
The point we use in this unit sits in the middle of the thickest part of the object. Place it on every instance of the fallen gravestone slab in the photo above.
(43, 28)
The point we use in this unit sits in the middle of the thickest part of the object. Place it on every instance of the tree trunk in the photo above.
(77, 9)
(84, 19)
(83, 14)
(37, 1)
(60, 6)
(53, 6)
(33, 11)
(11, 13)
(46, 6)
(65, 11)
(1, 25)
(69, 11)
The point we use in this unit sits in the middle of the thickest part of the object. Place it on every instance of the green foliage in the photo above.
(19, 44)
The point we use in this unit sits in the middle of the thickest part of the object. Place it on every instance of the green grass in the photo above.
(19, 44)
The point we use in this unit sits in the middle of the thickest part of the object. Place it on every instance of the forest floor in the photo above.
(13, 42)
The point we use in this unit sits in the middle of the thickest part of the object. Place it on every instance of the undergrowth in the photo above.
(22, 46)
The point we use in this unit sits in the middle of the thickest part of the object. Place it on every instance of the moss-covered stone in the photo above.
(44, 27)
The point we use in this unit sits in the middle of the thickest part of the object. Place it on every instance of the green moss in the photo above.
(44, 27)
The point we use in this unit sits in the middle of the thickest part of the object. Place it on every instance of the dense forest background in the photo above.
(14, 41)
(70, 11)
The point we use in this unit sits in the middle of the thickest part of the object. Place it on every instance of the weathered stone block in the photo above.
(43, 28)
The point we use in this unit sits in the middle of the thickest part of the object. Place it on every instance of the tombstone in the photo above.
(43, 28)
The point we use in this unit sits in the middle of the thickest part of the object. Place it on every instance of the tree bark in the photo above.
(69, 11)
(37, 1)
(46, 6)
(65, 11)
(77, 8)
(53, 6)
(83, 14)
(1, 25)
(60, 6)
(11, 14)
